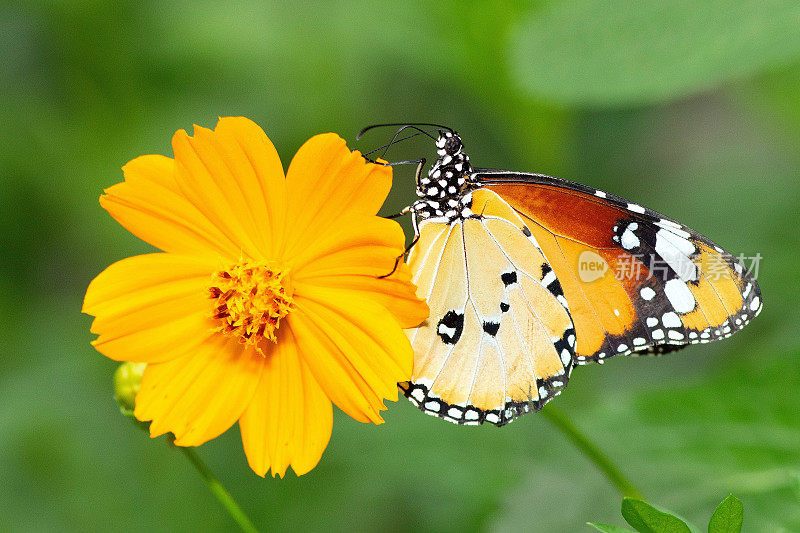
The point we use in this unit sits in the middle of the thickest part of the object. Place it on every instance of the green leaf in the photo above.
(727, 518)
(647, 519)
(621, 53)
(606, 528)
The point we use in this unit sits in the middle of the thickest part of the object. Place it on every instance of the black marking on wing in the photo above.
(469, 414)
(491, 327)
(547, 389)
(509, 277)
(554, 286)
(452, 320)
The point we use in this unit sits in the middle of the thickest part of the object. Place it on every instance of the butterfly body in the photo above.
(443, 193)
(499, 257)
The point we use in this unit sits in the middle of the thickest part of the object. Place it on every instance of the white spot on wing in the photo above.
(747, 290)
(664, 222)
(444, 330)
(673, 227)
(671, 320)
(675, 251)
(675, 335)
(549, 278)
(679, 295)
(629, 239)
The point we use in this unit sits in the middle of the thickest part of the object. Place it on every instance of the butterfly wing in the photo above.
(635, 280)
(499, 341)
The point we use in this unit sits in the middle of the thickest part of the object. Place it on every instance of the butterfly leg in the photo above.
(418, 173)
(399, 257)
(409, 209)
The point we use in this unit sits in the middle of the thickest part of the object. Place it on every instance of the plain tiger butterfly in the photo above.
(528, 275)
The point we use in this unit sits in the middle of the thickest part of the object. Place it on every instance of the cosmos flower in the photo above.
(266, 304)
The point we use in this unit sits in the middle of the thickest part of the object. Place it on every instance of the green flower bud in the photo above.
(127, 381)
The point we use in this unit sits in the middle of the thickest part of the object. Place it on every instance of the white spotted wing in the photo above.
(499, 341)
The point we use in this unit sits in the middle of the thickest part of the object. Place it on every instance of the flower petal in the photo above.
(150, 205)
(351, 245)
(150, 308)
(352, 254)
(396, 293)
(213, 174)
(289, 419)
(325, 180)
(255, 163)
(200, 395)
(354, 347)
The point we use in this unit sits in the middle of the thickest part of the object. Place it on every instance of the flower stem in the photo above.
(560, 419)
(219, 491)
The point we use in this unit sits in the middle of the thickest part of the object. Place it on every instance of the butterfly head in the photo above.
(447, 176)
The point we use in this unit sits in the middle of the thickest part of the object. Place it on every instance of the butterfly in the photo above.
(528, 275)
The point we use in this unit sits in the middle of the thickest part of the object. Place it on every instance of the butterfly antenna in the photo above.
(409, 124)
(406, 162)
(395, 140)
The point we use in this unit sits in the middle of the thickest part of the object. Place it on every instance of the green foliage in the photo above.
(645, 518)
(727, 518)
(621, 53)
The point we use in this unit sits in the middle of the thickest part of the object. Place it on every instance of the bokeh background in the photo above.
(691, 108)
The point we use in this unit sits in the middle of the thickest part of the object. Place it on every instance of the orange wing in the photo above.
(636, 281)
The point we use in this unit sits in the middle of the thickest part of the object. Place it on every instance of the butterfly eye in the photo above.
(453, 144)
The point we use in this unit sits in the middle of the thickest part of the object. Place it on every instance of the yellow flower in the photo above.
(266, 305)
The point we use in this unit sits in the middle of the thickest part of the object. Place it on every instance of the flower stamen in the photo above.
(250, 300)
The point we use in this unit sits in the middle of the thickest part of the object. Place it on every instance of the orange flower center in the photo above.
(250, 300)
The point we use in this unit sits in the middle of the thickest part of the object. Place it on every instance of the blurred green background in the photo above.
(691, 109)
